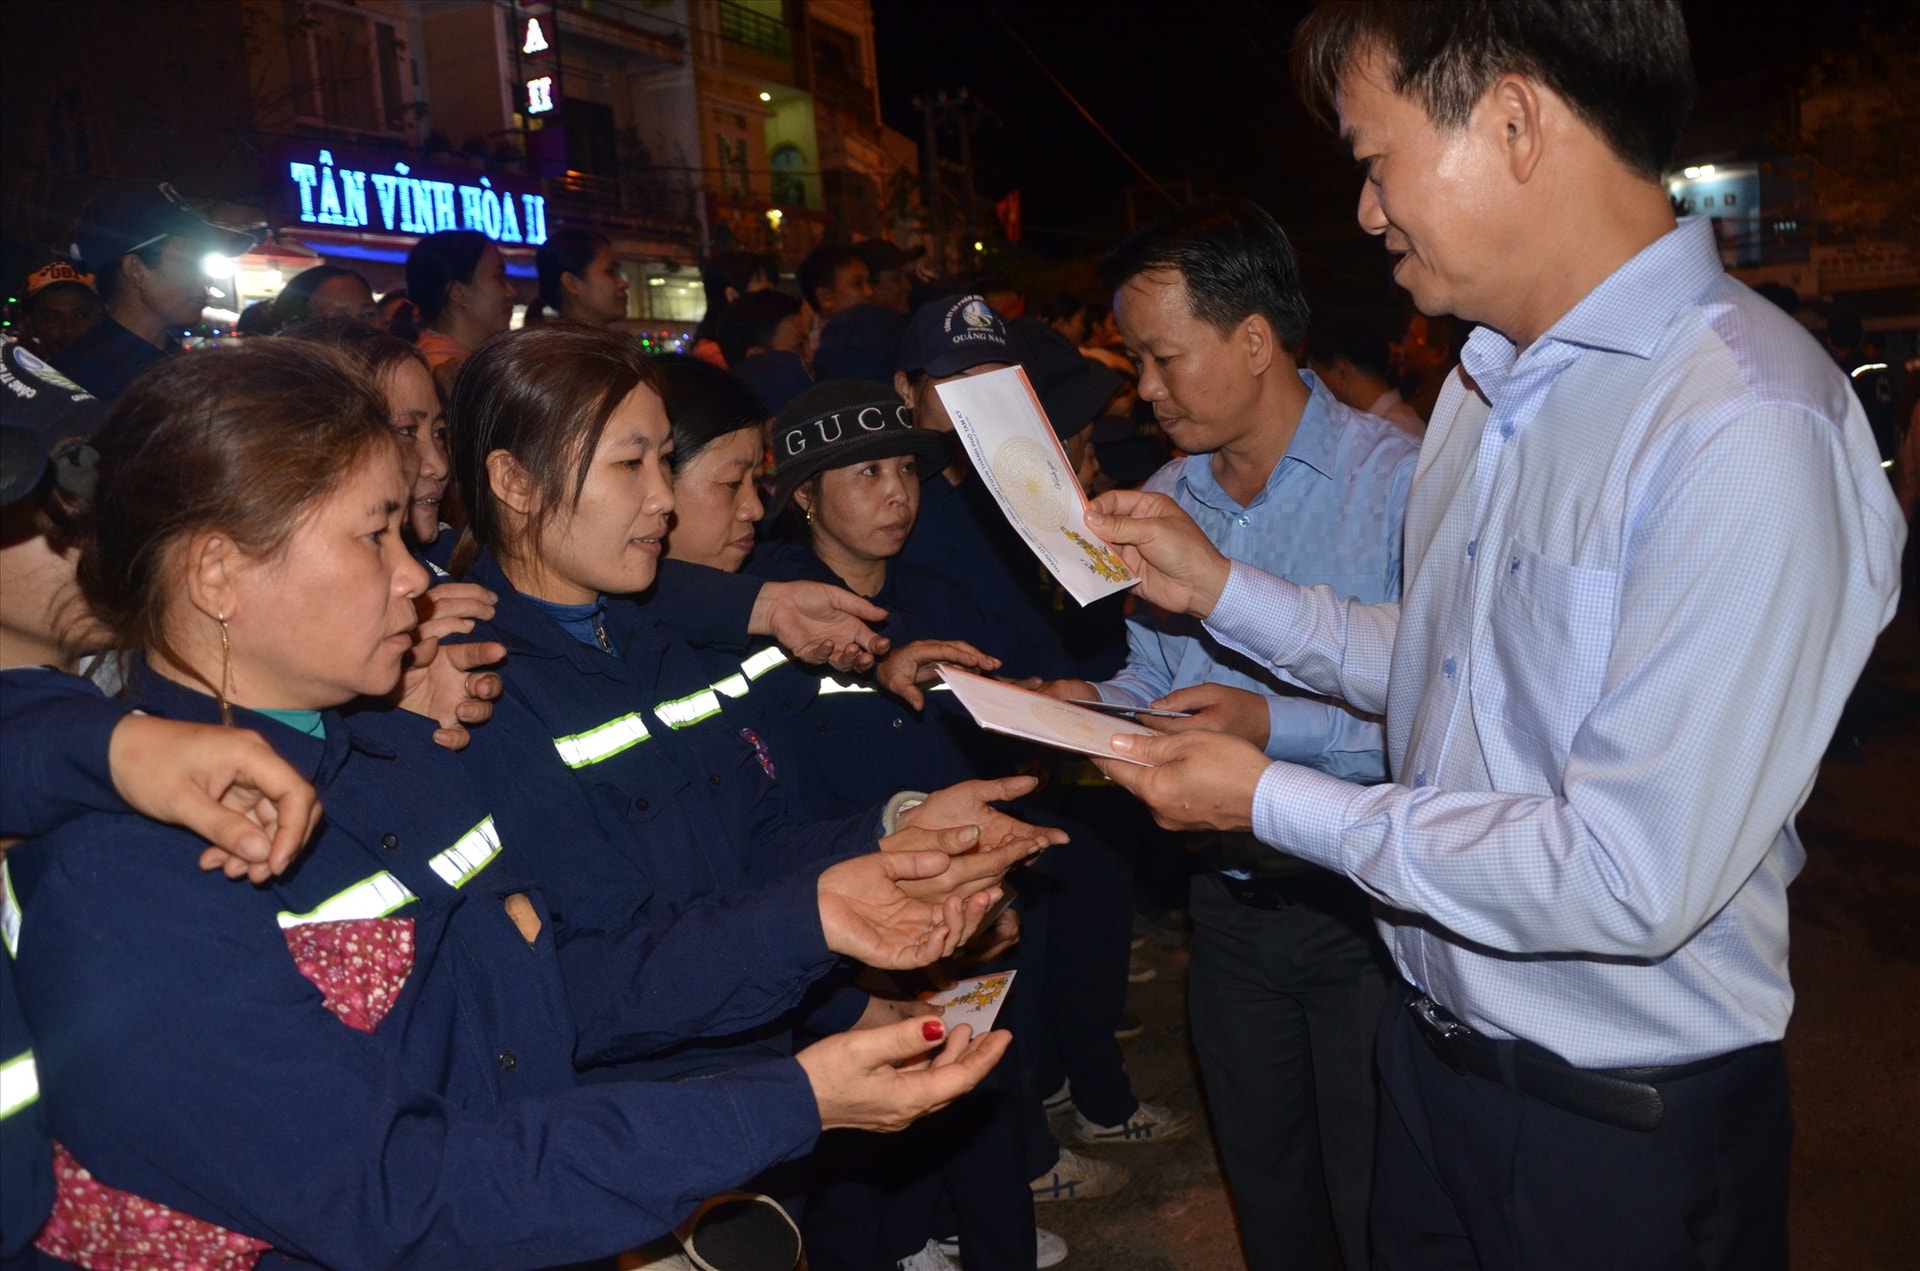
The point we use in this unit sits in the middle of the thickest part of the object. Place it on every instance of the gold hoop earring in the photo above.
(807, 513)
(226, 673)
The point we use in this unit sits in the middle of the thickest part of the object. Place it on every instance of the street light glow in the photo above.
(1695, 173)
(765, 96)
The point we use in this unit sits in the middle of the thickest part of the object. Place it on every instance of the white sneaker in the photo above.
(1139, 972)
(1077, 1177)
(932, 1258)
(1059, 1101)
(1050, 1250)
(1150, 1123)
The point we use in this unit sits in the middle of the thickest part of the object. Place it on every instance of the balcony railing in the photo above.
(754, 30)
(637, 15)
(662, 202)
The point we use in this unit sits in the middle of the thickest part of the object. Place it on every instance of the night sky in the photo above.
(1198, 91)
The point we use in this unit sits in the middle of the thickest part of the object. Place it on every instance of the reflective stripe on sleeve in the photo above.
(19, 1084)
(690, 709)
(596, 744)
(762, 662)
(733, 686)
(9, 913)
(830, 685)
(470, 854)
(374, 897)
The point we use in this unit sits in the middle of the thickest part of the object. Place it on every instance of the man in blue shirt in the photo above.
(1648, 550)
(1287, 978)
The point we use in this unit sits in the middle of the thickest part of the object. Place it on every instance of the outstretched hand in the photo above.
(885, 1079)
(818, 622)
(971, 803)
(867, 913)
(903, 670)
(1179, 568)
(1198, 781)
(226, 785)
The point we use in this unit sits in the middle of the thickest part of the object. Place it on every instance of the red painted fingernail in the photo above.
(933, 1030)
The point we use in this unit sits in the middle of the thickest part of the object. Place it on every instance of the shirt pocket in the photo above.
(1551, 628)
(360, 965)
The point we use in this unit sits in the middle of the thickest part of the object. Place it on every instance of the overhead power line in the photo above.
(1075, 103)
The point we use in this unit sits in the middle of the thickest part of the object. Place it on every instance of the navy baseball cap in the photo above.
(949, 335)
(859, 343)
(135, 214)
(775, 376)
(1072, 389)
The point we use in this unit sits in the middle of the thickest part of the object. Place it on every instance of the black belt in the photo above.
(1626, 1097)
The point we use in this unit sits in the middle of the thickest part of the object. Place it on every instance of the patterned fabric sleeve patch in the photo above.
(105, 1229)
(760, 752)
(359, 966)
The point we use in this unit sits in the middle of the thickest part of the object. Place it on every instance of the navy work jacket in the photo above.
(54, 734)
(684, 794)
(862, 743)
(962, 534)
(185, 1056)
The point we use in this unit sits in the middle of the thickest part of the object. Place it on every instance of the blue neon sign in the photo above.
(401, 199)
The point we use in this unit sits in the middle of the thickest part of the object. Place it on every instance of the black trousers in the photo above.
(960, 1171)
(1475, 1177)
(1284, 1004)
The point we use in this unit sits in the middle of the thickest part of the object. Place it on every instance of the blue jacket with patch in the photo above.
(651, 747)
(186, 1058)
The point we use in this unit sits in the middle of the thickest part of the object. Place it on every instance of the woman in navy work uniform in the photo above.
(359, 1065)
(64, 749)
(848, 459)
(562, 444)
(850, 463)
(719, 438)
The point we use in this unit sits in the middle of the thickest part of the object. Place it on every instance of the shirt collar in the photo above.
(1627, 313)
(1313, 445)
(1385, 402)
(319, 759)
(527, 631)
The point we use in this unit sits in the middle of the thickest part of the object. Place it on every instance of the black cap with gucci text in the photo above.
(845, 422)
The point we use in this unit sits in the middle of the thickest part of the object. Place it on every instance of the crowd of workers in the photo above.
(481, 793)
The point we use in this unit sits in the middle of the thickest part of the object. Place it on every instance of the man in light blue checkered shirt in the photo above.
(1287, 978)
(1649, 548)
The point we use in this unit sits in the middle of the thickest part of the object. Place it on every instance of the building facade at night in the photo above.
(348, 128)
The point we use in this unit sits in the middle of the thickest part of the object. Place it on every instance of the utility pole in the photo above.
(961, 114)
(964, 126)
(930, 184)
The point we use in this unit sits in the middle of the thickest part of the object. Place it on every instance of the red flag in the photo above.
(1008, 210)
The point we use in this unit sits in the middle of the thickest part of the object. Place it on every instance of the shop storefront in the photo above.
(365, 212)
